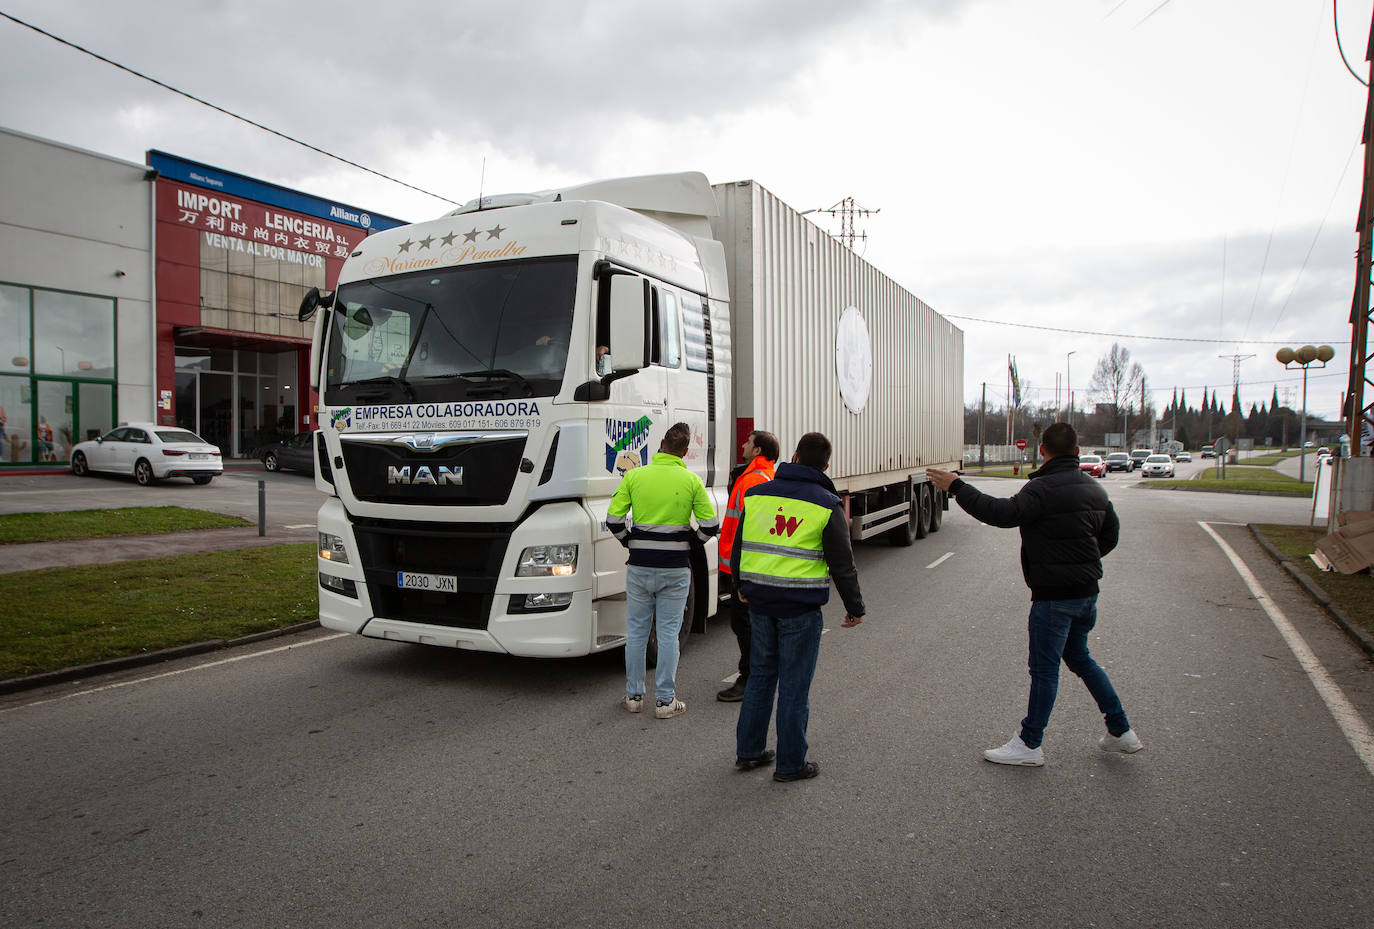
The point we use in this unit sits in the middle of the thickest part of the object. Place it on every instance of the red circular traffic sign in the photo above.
(1020, 443)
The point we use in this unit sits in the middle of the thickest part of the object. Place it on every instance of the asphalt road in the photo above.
(333, 781)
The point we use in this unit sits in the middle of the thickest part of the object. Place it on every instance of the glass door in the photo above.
(94, 411)
(187, 402)
(55, 421)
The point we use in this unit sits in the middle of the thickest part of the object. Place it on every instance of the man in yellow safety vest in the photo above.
(794, 539)
(663, 496)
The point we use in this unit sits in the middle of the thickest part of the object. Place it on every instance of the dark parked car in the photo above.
(296, 453)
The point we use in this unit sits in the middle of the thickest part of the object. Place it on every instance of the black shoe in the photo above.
(732, 694)
(804, 773)
(749, 764)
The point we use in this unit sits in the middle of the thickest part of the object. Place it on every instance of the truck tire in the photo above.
(926, 496)
(937, 510)
(651, 651)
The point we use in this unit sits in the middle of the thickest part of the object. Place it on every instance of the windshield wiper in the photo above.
(505, 374)
(385, 379)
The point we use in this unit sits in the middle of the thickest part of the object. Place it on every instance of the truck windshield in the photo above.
(490, 330)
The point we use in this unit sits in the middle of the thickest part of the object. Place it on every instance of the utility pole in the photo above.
(1359, 305)
(982, 412)
(1235, 386)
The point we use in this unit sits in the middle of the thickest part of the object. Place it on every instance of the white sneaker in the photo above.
(1127, 742)
(669, 710)
(633, 704)
(1016, 752)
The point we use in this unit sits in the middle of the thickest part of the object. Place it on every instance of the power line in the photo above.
(1336, 25)
(256, 125)
(1119, 335)
(1320, 227)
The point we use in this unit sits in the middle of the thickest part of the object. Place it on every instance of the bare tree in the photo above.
(1117, 379)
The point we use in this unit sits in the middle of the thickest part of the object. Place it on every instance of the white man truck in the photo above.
(486, 379)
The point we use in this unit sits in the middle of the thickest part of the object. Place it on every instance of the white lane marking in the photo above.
(1356, 731)
(301, 526)
(731, 679)
(201, 667)
(939, 561)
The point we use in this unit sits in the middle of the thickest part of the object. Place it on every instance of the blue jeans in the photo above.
(649, 591)
(783, 652)
(1059, 630)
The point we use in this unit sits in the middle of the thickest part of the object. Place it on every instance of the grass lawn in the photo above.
(97, 524)
(1239, 478)
(60, 617)
(1272, 458)
(1350, 592)
(997, 471)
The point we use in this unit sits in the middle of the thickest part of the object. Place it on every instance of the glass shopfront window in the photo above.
(15, 342)
(238, 400)
(74, 335)
(57, 372)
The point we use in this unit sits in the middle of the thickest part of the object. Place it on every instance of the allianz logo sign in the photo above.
(424, 475)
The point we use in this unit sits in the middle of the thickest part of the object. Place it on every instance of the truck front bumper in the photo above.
(359, 597)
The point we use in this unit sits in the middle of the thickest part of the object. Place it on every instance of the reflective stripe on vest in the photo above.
(780, 542)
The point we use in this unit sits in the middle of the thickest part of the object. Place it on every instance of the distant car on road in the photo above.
(1120, 461)
(296, 453)
(1092, 464)
(1138, 455)
(1183, 456)
(1208, 452)
(150, 453)
(1158, 466)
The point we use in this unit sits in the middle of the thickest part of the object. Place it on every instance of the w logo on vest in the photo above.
(786, 525)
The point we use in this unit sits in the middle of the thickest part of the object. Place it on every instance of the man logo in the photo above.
(424, 475)
(786, 525)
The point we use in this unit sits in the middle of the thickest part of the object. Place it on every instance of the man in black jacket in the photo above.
(1067, 524)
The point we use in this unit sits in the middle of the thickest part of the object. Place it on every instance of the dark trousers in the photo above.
(739, 625)
(1059, 632)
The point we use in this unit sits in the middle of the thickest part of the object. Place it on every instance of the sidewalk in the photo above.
(34, 556)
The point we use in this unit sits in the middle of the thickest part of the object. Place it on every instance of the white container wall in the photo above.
(790, 283)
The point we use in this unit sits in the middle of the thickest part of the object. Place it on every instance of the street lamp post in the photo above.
(1068, 387)
(1302, 358)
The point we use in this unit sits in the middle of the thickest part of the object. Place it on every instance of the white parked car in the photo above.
(150, 453)
(1157, 466)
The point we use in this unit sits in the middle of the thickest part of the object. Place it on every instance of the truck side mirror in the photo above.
(312, 301)
(630, 306)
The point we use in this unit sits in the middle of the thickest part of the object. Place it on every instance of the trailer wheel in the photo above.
(937, 511)
(651, 652)
(926, 496)
(905, 534)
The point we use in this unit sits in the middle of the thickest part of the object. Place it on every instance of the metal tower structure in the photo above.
(846, 210)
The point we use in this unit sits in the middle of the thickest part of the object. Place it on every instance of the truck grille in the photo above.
(388, 469)
(473, 555)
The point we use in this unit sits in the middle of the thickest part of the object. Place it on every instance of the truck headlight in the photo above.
(332, 548)
(547, 561)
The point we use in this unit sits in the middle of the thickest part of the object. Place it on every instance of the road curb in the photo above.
(1352, 629)
(17, 684)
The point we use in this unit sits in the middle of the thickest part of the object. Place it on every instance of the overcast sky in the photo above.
(1187, 169)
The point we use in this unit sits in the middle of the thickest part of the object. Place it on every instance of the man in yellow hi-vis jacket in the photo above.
(663, 496)
(794, 539)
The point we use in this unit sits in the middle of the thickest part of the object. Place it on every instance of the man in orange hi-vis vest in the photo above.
(760, 452)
